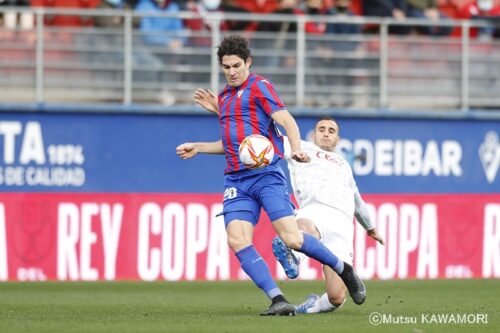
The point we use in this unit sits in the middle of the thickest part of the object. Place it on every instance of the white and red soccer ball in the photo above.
(256, 151)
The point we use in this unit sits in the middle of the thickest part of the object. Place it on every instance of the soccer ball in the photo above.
(256, 151)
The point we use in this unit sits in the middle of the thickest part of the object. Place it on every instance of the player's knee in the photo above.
(308, 227)
(237, 243)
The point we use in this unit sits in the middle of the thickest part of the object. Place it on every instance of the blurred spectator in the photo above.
(329, 57)
(257, 6)
(401, 9)
(14, 3)
(161, 31)
(340, 56)
(283, 38)
(199, 36)
(427, 9)
(164, 39)
(287, 7)
(387, 8)
(232, 6)
(200, 27)
(65, 19)
(114, 21)
(313, 7)
(342, 9)
(483, 10)
(309, 7)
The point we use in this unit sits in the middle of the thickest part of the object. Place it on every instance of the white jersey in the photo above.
(327, 179)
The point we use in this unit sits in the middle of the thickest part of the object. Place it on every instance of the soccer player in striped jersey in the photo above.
(249, 104)
(328, 200)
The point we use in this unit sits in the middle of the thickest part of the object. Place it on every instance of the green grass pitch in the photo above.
(234, 306)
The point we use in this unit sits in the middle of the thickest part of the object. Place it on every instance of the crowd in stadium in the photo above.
(397, 9)
(162, 44)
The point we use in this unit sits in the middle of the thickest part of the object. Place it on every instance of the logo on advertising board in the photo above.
(408, 158)
(27, 161)
(34, 237)
(489, 153)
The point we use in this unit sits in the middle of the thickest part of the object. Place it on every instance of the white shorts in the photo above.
(335, 228)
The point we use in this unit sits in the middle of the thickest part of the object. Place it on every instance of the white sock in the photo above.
(323, 305)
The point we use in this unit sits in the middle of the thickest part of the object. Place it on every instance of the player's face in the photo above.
(326, 135)
(235, 69)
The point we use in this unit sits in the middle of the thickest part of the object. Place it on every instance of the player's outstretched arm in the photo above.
(362, 216)
(285, 119)
(190, 149)
(207, 100)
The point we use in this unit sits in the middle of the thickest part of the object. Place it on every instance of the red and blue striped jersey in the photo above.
(247, 110)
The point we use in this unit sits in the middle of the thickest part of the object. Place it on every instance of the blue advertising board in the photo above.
(90, 152)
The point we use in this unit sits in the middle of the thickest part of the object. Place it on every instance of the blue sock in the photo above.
(256, 268)
(313, 248)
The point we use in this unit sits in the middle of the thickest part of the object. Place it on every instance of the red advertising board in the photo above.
(178, 237)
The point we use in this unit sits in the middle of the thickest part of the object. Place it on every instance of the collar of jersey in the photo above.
(244, 84)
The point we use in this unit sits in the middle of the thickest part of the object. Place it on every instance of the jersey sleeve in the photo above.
(352, 182)
(360, 210)
(267, 97)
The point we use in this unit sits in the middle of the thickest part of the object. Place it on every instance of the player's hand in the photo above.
(300, 156)
(186, 150)
(375, 235)
(207, 100)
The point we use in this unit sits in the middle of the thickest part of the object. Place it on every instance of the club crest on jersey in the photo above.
(240, 93)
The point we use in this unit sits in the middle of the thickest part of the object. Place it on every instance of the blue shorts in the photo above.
(247, 192)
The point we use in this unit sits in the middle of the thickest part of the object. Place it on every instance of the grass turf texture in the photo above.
(234, 307)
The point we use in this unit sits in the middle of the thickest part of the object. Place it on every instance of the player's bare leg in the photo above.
(239, 234)
(308, 226)
(336, 290)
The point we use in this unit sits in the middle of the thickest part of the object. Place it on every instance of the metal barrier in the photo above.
(374, 72)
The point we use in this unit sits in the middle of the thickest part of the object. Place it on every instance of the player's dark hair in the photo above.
(327, 118)
(233, 45)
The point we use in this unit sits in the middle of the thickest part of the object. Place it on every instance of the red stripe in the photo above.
(240, 130)
(240, 126)
(221, 123)
(232, 156)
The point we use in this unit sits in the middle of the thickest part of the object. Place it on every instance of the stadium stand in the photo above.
(84, 61)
